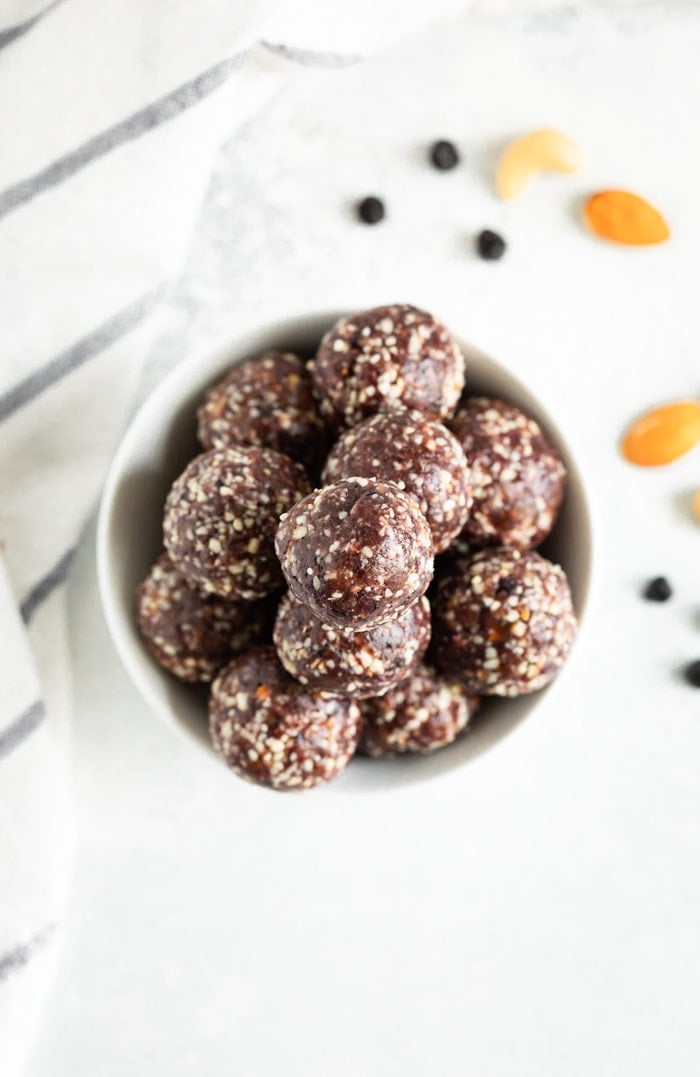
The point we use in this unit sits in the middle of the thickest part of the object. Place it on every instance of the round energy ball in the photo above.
(193, 635)
(422, 713)
(265, 402)
(272, 731)
(503, 621)
(389, 355)
(517, 477)
(221, 516)
(347, 663)
(357, 553)
(420, 455)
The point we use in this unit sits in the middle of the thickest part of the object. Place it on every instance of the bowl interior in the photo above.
(157, 446)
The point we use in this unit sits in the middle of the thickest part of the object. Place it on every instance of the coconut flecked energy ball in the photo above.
(265, 402)
(272, 731)
(517, 476)
(193, 635)
(420, 455)
(503, 621)
(347, 663)
(221, 516)
(389, 355)
(422, 713)
(357, 553)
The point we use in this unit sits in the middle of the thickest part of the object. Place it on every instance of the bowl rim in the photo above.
(203, 368)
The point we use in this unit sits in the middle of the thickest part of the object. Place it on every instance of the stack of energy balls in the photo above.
(301, 544)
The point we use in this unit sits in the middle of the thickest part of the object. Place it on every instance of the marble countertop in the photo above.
(536, 911)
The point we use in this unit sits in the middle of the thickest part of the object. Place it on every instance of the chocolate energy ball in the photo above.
(193, 635)
(420, 455)
(503, 621)
(357, 553)
(272, 731)
(389, 355)
(267, 403)
(348, 663)
(517, 477)
(221, 516)
(422, 713)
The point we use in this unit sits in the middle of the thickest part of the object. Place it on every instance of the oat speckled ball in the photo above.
(392, 355)
(357, 553)
(265, 402)
(503, 621)
(420, 455)
(347, 663)
(193, 635)
(272, 731)
(221, 516)
(422, 713)
(517, 477)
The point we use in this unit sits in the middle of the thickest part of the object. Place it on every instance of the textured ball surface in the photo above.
(347, 663)
(517, 476)
(221, 516)
(272, 731)
(422, 713)
(503, 621)
(357, 553)
(389, 355)
(193, 635)
(420, 455)
(266, 403)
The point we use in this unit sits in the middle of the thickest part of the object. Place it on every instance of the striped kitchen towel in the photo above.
(111, 116)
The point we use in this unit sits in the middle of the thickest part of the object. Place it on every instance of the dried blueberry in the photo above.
(692, 673)
(490, 245)
(371, 210)
(444, 155)
(658, 589)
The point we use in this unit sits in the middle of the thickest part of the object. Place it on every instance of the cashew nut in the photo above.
(540, 151)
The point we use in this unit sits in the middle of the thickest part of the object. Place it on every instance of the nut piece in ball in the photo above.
(194, 635)
(420, 455)
(389, 355)
(347, 663)
(516, 474)
(221, 516)
(266, 403)
(357, 553)
(503, 621)
(422, 713)
(272, 731)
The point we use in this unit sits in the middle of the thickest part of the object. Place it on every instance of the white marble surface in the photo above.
(536, 912)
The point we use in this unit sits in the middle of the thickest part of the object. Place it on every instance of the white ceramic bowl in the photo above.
(154, 450)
